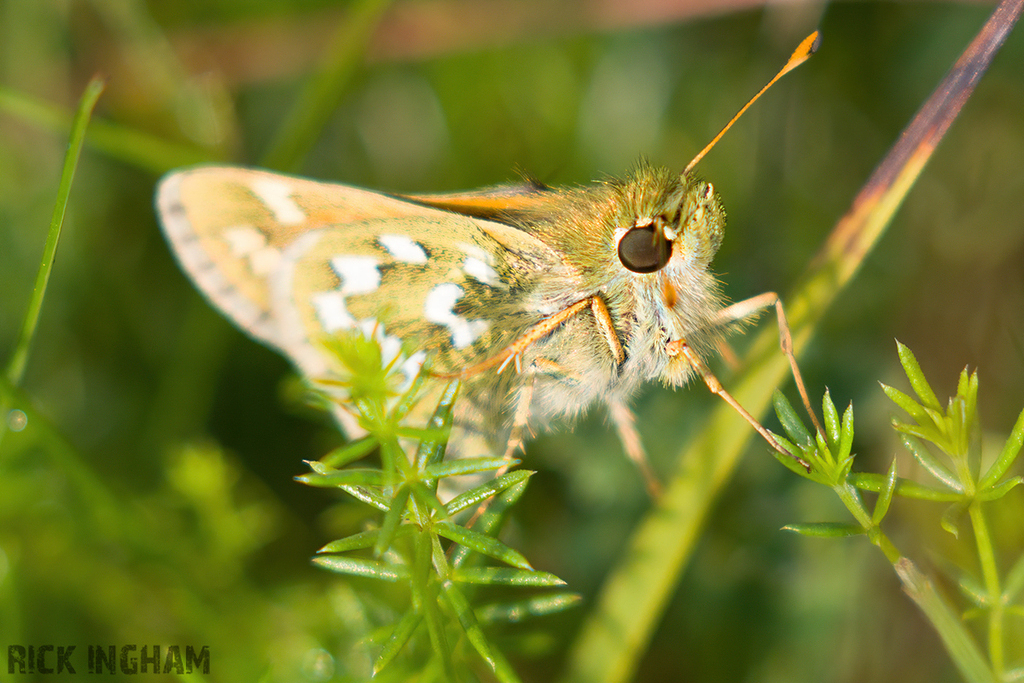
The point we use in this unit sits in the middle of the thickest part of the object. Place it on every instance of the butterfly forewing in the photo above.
(293, 260)
(441, 287)
(229, 226)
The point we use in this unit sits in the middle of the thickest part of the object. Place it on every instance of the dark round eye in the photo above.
(644, 250)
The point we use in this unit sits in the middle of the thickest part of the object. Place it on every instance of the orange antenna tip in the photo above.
(805, 49)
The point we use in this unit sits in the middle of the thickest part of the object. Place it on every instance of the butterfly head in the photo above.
(667, 223)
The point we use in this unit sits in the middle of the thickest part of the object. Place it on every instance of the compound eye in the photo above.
(644, 250)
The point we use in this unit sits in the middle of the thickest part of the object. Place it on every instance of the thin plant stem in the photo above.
(990, 574)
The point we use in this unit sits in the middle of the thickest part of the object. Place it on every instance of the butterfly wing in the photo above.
(228, 227)
(290, 260)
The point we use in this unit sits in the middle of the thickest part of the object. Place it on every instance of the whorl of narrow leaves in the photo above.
(419, 540)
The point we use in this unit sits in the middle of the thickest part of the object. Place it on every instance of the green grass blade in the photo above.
(16, 366)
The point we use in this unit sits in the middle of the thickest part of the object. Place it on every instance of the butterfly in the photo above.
(543, 301)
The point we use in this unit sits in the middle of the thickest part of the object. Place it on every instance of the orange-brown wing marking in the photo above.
(491, 203)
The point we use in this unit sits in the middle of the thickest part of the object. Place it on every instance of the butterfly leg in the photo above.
(625, 424)
(520, 424)
(521, 417)
(680, 347)
(748, 307)
(620, 414)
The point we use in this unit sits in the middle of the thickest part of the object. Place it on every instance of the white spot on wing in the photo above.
(277, 196)
(481, 271)
(474, 251)
(359, 274)
(437, 308)
(330, 309)
(244, 239)
(403, 248)
(247, 242)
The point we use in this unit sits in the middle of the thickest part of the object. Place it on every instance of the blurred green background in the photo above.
(150, 500)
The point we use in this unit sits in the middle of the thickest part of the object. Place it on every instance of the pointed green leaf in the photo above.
(355, 566)
(318, 467)
(431, 450)
(846, 441)
(868, 481)
(825, 454)
(963, 384)
(426, 598)
(479, 494)
(518, 610)
(482, 543)
(400, 635)
(1014, 583)
(928, 461)
(411, 396)
(885, 495)
(928, 432)
(831, 416)
(393, 461)
(505, 576)
(791, 422)
(1011, 449)
(792, 464)
(389, 527)
(339, 478)
(15, 370)
(826, 529)
(951, 518)
(905, 403)
(461, 466)
(468, 622)
(360, 541)
(494, 515)
(916, 376)
(367, 496)
(350, 452)
(999, 490)
(438, 558)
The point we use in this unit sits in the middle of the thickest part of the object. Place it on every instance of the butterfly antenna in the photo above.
(806, 48)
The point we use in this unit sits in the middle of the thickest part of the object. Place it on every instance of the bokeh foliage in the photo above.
(150, 498)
